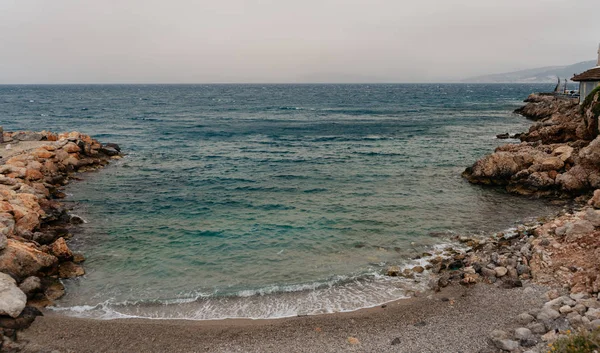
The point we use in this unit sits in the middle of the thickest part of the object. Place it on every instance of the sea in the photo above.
(269, 201)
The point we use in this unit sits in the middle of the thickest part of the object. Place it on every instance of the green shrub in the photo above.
(582, 342)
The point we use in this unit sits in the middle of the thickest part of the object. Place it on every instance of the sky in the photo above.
(285, 41)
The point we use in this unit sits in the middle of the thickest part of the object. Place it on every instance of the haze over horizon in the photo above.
(243, 41)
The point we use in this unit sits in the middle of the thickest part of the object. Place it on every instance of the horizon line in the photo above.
(266, 83)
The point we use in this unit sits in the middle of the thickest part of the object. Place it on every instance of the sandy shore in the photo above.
(457, 319)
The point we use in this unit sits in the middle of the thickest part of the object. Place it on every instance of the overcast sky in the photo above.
(203, 41)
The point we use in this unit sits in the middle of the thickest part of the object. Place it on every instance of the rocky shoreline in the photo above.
(34, 225)
(558, 157)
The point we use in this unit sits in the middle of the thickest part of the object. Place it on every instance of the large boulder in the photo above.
(595, 200)
(27, 136)
(23, 260)
(575, 180)
(590, 155)
(12, 299)
(60, 249)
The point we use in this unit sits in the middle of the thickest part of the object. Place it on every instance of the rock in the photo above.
(565, 309)
(109, 151)
(33, 174)
(78, 258)
(60, 249)
(23, 260)
(525, 318)
(585, 322)
(503, 136)
(21, 322)
(595, 324)
(498, 335)
(552, 163)
(12, 299)
(529, 291)
(547, 314)
(54, 291)
(507, 345)
(70, 270)
(575, 320)
(523, 269)
(554, 303)
(500, 271)
(511, 283)
(353, 340)
(579, 296)
(3, 239)
(578, 229)
(469, 278)
(593, 216)
(580, 308)
(593, 314)
(549, 336)
(444, 281)
(30, 285)
(523, 333)
(537, 328)
(575, 180)
(418, 269)
(560, 325)
(71, 148)
(590, 303)
(486, 272)
(27, 136)
(595, 200)
(396, 341)
(590, 155)
(393, 271)
(563, 152)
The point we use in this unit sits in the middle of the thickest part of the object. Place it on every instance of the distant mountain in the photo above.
(540, 75)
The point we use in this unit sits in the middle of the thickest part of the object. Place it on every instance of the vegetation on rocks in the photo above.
(581, 342)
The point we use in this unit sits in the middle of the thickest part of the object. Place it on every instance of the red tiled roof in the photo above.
(589, 75)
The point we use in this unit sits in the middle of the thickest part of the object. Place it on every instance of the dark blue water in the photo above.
(268, 201)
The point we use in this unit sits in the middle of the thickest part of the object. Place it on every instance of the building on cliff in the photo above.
(588, 80)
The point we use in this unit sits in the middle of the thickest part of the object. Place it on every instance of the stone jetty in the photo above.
(34, 225)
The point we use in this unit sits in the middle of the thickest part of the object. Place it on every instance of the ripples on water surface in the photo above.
(270, 201)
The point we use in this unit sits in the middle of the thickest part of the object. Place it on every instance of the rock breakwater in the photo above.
(558, 156)
(34, 225)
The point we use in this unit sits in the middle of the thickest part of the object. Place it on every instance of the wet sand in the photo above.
(457, 319)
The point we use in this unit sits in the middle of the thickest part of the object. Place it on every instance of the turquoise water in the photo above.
(269, 201)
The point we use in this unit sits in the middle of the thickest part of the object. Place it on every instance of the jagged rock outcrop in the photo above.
(543, 106)
(559, 120)
(560, 155)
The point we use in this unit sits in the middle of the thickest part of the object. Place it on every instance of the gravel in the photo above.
(426, 324)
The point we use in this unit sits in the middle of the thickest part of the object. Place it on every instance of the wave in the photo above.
(339, 293)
